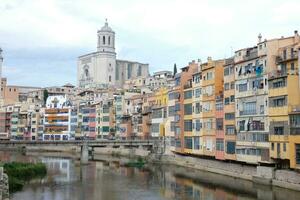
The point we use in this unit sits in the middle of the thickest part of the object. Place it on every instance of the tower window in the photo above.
(108, 40)
(103, 39)
(109, 78)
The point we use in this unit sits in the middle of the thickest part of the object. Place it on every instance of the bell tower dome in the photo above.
(106, 39)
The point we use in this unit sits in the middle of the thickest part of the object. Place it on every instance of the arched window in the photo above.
(103, 39)
(108, 40)
(109, 78)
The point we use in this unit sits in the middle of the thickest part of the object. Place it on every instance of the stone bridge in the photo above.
(155, 146)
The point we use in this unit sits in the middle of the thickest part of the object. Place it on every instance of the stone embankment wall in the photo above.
(214, 166)
(4, 189)
(258, 174)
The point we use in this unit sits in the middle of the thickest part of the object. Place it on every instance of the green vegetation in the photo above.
(20, 173)
(46, 94)
(139, 163)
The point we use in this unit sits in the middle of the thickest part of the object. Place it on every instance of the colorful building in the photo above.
(212, 88)
(229, 108)
(57, 119)
(284, 104)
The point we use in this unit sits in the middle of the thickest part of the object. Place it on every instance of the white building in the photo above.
(101, 68)
(58, 124)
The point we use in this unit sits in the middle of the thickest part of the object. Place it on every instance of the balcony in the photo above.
(188, 85)
(250, 56)
(288, 56)
(277, 74)
(248, 112)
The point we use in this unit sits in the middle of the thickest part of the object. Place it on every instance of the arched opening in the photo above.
(109, 78)
(108, 40)
(103, 39)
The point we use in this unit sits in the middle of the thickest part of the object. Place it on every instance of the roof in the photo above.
(106, 28)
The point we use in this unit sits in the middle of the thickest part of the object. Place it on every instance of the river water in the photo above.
(106, 179)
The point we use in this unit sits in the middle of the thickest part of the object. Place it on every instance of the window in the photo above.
(297, 153)
(242, 87)
(188, 142)
(109, 78)
(226, 71)
(197, 92)
(188, 109)
(232, 85)
(197, 108)
(232, 98)
(230, 147)
(105, 119)
(157, 113)
(171, 111)
(103, 39)
(117, 71)
(196, 143)
(229, 116)
(227, 101)
(279, 83)
(278, 130)
(188, 94)
(220, 145)
(219, 123)
(292, 66)
(155, 128)
(272, 146)
(105, 128)
(188, 125)
(129, 70)
(249, 108)
(139, 71)
(197, 125)
(242, 125)
(279, 102)
(226, 86)
(229, 130)
(209, 76)
(284, 147)
(295, 120)
(173, 126)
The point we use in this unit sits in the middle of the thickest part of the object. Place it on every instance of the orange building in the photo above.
(212, 87)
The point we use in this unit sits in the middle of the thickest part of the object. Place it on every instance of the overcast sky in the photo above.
(42, 39)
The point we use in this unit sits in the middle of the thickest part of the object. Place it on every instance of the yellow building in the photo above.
(284, 107)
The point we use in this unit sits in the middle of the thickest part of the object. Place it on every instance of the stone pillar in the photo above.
(84, 159)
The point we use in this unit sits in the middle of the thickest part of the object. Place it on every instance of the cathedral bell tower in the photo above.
(106, 39)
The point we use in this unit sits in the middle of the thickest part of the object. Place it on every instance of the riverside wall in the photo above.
(270, 176)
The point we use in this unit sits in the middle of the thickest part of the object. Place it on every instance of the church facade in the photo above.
(102, 69)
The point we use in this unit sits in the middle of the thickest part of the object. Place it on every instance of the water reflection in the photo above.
(108, 180)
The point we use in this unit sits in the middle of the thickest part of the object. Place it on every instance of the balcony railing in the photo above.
(277, 73)
(286, 57)
(248, 112)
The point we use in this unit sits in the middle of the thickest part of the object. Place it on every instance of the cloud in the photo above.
(42, 39)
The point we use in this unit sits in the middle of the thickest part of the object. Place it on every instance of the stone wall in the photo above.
(287, 179)
(214, 166)
(4, 190)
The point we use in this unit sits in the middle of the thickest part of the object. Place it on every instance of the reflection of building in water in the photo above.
(59, 166)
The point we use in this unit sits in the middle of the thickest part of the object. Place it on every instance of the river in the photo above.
(106, 179)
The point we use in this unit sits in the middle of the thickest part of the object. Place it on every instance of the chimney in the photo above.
(297, 38)
(259, 38)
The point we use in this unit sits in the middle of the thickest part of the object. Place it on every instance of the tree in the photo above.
(46, 94)
(175, 70)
